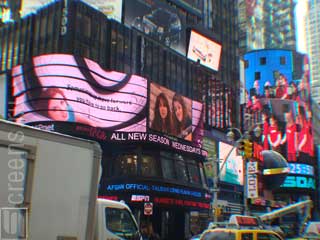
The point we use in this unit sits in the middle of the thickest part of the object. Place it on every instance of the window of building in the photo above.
(257, 76)
(194, 173)
(263, 61)
(282, 60)
(246, 64)
(181, 169)
(149, 166)
(126, 164)
(167, 165)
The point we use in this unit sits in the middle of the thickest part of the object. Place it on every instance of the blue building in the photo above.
(266, 65)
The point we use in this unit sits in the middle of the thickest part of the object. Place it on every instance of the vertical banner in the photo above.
(252, 180)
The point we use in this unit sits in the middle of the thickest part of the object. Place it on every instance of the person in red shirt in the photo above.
(303, 144)
(290, 137)
(265, 119)
(282, 87)
(274, 134)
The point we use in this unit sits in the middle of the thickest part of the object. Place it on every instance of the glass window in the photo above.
(267, 236)
(149, 166)
(263, 61)
(257, 76)
(194, 173)
(219, 236)
(247, 236)
(282, 60)
(167, 165)
(120, 222)
(126, 165)
(181, 169)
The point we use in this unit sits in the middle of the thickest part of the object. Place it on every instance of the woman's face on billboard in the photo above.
(57, 108)
(163, 109)
(178, 110)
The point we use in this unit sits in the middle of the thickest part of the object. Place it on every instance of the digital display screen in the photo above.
(157, 20)
(204, 50)
(280, 104)
(303, 169)
(173, 114)
(111, 8)
(66, 88)
(232, 171)
(299, 182)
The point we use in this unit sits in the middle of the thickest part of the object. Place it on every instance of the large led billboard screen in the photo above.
(173, 114)
(232, 170)
(157, 20)
(281, 105)
(204, 50)
(111, 8)
(67, 88)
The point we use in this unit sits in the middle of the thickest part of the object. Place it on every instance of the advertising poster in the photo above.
(66, 88)
(111, 8)
(232, 170)
(173, 114)
(204, 50)
(284, 111)
(210, 166)
(157, 20)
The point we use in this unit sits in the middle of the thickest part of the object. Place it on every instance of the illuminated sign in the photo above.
(111, 8)
(299, 168)
(174, 114)
(244, 220)
(232, 172)
(155, 188)
(181, 202)
(67, 88)
(252, 180)
(204, 50)
(140, 198)
(154, 138)
(299, 182)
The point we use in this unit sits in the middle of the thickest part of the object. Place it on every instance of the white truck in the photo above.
(48, 189)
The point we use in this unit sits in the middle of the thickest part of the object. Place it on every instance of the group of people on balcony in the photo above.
(286, 115)
(282, 90)
(293, 138)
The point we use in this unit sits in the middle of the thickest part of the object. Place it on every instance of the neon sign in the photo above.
(299, 182)
(156, 188)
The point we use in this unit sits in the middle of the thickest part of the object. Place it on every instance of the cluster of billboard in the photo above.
(62, 88)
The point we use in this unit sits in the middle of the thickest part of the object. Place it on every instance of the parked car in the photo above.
(239, 234)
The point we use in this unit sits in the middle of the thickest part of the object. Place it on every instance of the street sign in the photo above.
(148, 208)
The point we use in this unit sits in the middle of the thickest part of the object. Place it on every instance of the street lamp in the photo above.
(256, 130)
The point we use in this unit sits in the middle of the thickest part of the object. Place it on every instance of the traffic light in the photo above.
(245, 148)
(248, 148)
(241, 147)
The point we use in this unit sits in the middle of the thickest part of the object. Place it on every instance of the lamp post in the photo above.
(230, 136)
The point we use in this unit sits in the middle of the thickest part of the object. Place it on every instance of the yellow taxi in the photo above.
(239, 234)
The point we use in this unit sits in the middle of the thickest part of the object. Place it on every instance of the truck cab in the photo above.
(115, 221)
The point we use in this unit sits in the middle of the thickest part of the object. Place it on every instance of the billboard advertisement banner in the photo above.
(66, 88)
(232, 171)
(204, 50)
(157, 20)
(283, 107)
(173, 114)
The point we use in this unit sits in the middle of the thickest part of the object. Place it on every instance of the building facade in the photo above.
(159, 174)
(313, 35)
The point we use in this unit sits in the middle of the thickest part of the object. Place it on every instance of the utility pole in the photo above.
(247, 147)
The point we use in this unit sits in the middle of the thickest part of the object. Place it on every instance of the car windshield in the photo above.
(219, 235)
(120, 222)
